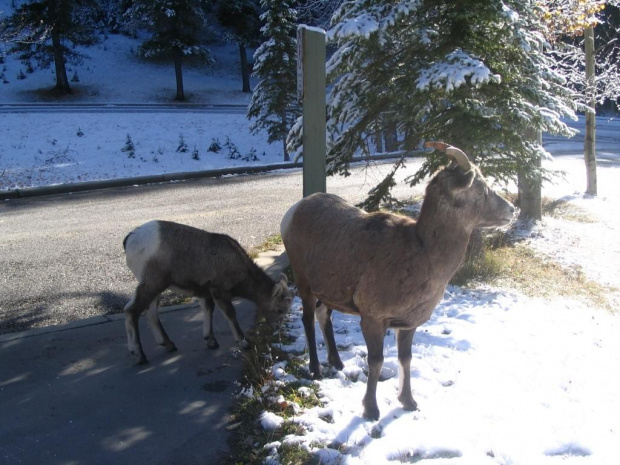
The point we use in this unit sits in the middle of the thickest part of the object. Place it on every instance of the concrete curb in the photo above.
(56, 189)
(140, 180)
(272, 261)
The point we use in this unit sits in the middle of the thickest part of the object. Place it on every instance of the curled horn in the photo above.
(455, 153)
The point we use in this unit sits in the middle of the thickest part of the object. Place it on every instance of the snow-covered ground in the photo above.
(44, 148)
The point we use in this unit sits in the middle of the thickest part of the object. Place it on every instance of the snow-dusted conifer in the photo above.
(48, 31)
(471, 73)
(275, 96)
(178, 28)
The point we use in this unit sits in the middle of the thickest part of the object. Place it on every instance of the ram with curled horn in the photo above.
(390, 270)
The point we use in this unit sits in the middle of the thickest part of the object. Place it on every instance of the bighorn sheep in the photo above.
(212, 267)
(389, 269)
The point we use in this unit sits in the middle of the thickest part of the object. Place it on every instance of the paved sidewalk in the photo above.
(71, 394)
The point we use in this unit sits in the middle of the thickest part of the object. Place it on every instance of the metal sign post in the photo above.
(311, 86)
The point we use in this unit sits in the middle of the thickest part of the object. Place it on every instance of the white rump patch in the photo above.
(141, 245)
(287, 219)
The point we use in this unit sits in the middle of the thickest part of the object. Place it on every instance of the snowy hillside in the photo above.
(39, 149)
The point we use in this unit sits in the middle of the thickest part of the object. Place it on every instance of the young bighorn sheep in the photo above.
(389, 269)
(212, 267)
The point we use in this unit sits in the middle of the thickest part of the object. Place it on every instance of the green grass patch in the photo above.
(516, 266)
(271, 243)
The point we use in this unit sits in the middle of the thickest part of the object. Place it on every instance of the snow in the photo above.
(454, 72)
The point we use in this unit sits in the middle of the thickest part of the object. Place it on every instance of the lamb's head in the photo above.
(461, 191)
(279, 302)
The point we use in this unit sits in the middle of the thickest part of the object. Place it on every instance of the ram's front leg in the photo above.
(405, 339)
(208, 306)
(374, 334)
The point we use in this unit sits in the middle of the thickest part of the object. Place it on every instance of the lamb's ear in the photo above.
(279, 288)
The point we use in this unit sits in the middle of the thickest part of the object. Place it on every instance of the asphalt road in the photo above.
(61, 257)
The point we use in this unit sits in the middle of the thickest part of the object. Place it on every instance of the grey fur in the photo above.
(212, 267)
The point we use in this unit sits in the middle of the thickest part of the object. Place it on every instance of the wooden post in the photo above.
(311, 86)
(590, 139)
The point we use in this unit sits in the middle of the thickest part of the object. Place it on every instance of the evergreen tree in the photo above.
(275, 97)
(47, 31)
(471, 73)
(178, 29)
(242, 18)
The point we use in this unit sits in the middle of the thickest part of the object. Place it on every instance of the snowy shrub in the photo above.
(251, 156)
(21, 75)
(129, 147)
(215, 145)
(182, 148)
(233, 151)
(80, 133)
(195, 154)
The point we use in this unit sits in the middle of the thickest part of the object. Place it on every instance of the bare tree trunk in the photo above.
(284, 132)
(245, 71)
(390, 134)
(530, 191)
(62, 82)
(178, 69)
(590, 139)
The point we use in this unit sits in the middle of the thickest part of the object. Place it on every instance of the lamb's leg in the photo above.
(309, 307)
(374, 334)
(140, 300)
(207, 305)
(228, 309)
(324, 317)
(161, 337)
(405, 338)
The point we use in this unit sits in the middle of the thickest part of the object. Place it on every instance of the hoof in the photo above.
(315, 371)
(212, 344)
(371, 414)
(371, 410)
(244, 344)
(408, 403)
(142, 361)
(170, 347)
(337, 364)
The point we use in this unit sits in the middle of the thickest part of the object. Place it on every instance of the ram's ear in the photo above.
(462, 181)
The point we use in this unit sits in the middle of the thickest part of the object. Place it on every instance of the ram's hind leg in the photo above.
(161, 337)
(324, 317)
(309, 308)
